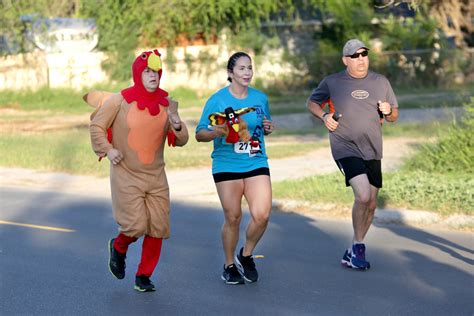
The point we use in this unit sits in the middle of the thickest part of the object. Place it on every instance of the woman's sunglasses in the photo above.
(356, 55)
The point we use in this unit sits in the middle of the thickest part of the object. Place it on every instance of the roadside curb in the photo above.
(204, 194)
(416, 218)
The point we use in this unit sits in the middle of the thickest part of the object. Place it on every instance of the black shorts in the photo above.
(226, 176)
(354, 166)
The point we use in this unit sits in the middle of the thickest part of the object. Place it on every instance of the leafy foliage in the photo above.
(411, 33)
(440, 177)
(453, 153)
(13, 13)
(341, 20)
(125, 25)
(444, 193)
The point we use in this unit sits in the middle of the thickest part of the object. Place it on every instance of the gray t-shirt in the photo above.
(359, 133)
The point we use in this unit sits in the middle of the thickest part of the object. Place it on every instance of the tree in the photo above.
(125, 25)
(164, 21)
(454, 17)
(13, 13)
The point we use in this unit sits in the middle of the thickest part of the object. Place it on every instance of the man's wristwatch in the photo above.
(322, 117)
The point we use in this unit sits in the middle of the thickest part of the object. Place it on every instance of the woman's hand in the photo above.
(267, 126)
(220, 130)
(211, 133)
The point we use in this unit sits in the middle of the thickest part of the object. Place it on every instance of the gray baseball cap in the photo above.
(352, 46)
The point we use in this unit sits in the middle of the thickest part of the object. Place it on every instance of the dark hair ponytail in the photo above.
(233, 59)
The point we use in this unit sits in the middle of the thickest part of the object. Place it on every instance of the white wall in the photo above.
(76, 70)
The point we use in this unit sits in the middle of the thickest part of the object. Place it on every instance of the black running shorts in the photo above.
(226, 176)
(354, 166)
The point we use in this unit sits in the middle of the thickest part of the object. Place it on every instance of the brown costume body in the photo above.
(140, 192)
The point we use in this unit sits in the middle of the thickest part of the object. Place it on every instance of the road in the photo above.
(51, 272)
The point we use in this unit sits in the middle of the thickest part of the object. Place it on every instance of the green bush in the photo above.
(453, 153)
(443, 193)
(439, 178)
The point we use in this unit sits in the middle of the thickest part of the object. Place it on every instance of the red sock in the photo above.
(122, 241)
(151, 251)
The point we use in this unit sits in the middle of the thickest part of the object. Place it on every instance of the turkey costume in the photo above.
(137, 122)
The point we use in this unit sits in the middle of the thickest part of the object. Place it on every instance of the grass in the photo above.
(414, 130)
(411, 190)
(58, 100)
(189, 99)
(69, 101)
(290, 149)
(435, 100)
(298, 104)
(464, 89)
(70, 151)
(64, 151)
(453, 153)
(443, 193)
(407, 99)
(440, 177)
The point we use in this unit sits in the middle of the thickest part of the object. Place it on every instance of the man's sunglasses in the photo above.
(356, 55)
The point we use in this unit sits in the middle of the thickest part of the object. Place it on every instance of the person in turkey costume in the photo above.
(130, 129)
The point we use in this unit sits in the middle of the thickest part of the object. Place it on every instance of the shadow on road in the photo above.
(300, 271)
(424, 237)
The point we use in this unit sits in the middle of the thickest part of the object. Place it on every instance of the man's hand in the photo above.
(173, 115)
(316, 110)
(114, 155)
(330, 123)
(385, 107)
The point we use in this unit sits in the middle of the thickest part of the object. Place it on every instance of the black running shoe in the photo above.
(231, 275)
(116, 261)
(143, 284)
(246, 267)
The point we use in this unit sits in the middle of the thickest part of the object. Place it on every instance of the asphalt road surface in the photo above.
(64, 272)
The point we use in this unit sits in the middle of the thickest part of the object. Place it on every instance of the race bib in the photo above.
(250, 148)
(242, 148)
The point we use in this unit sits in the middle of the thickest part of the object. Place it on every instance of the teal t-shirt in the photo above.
(239, 157)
